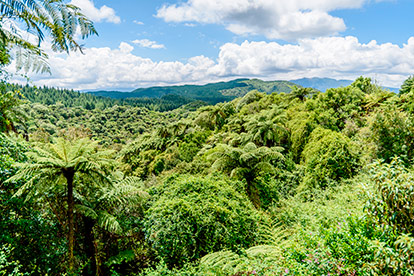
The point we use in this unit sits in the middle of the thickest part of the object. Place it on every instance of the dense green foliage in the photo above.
(329, 156)
(393, 134)
(190, 217)
(8, 116)
(304, 183)
(23, 222)
(70, 98)
(407, 86)
(112, 125)
(211, 93)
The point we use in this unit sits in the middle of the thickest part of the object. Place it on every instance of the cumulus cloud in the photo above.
(336, 57)
(276, 19)
(102, 14)
(146, 43)
(106, 68)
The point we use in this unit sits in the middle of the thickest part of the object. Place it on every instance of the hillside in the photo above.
(71, 98)
(211, 93)
(321, 83)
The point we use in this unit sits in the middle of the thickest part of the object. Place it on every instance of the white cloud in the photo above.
(105, 68)
(125, 48)
(104, 13)
(138, 22)
(336, 57)
(276, 19)
(148, 44)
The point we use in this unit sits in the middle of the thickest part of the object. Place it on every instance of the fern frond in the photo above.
(268, 253)
(109, 223)
(225, 260)
(86, 211)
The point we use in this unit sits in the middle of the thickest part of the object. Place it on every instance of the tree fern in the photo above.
(273, 238)
(57, 18)
(64, 166)
(246, 163)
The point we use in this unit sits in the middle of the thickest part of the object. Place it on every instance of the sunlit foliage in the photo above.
(303, 183)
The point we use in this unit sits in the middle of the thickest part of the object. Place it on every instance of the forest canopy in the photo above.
(299, 183)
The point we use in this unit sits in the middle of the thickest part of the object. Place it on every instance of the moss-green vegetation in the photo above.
(211, 93)
(303, 183)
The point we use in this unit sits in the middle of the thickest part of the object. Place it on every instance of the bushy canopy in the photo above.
(329, 156)
(191, 216)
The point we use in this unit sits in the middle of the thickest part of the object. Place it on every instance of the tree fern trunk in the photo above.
(69, 174)
(90, 250)
(253, 193)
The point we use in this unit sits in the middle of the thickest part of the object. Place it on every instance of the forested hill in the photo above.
(211, 93)
(70, 98)
(322, 84)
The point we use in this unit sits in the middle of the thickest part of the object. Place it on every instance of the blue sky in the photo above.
(168, 42)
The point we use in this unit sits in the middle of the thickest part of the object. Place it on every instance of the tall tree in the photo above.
(61, 167)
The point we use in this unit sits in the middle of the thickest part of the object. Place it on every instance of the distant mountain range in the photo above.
(325, 83)
(321, 84)
(213, 93)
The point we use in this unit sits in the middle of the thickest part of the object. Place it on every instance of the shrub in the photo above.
(391, 206)
(273, 188)
(192, 216)
(393, 134)
(337, 105)
(329, 156)
(162, 270)
(301, 126)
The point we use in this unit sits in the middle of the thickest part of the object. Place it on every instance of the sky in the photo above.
(144, 43)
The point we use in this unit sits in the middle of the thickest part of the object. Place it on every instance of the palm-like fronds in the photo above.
(225, 260)
(376, 99)
(9, 111)
(109, 222)
(54, 17)
(272, 233)
(272, 236)
(66, 166)
(51, 160)
(246, 163)
(267, 128)
(301, 92)
(230, 263)
(100, 203)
